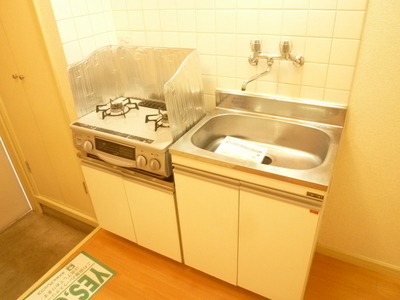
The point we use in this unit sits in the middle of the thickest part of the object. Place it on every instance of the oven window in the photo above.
(115, 149)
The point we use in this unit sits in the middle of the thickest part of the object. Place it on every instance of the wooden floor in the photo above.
(142, 274)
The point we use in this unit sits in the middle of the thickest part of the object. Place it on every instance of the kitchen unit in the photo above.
(133, 103)
(256, 223)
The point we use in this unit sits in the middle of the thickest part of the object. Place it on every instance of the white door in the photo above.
(13, 201)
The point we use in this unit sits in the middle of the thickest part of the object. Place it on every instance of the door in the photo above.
(13, 201)
(208, 216)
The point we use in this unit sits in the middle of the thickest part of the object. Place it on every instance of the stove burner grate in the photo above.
(160, 120)
(116, 108)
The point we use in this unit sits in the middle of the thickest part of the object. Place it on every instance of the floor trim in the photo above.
(359, 260)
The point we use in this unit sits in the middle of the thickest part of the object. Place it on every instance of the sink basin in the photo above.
(301, 137)
(289, 145)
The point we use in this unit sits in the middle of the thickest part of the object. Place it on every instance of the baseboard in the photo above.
(70, 212)
(361, 261)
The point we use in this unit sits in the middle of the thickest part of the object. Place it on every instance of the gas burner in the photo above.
(116, 107)
(160, 120)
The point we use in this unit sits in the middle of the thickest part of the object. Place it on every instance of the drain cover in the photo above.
(267, 160)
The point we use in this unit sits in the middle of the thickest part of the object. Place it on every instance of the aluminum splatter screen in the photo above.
(170, 75)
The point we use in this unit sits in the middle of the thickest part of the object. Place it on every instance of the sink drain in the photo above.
(267, 160)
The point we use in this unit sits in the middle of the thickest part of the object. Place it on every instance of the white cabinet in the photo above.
(208, 216)
(259, 238)
(276, 244)
(109, 201)
(153, 213)
(138, 209)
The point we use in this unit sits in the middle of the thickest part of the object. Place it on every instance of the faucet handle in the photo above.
(255, 46)
(285, 47)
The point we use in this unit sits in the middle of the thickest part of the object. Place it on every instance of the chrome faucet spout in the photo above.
(247, 81)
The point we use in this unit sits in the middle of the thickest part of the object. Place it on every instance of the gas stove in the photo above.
(128, 133)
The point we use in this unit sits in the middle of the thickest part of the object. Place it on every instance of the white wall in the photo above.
(363, 212)
(326, 32)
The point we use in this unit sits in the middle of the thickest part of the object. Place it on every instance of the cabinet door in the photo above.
(208, 216)
(154, 217)
(276, 244)
(109, 201)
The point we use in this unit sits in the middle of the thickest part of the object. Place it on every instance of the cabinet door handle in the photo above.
(15, 76)
(22, 77)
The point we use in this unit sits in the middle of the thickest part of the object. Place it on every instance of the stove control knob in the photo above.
(154, 164)
(141, 161)
(87, 146)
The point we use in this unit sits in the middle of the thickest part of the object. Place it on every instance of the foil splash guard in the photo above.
(170, 75)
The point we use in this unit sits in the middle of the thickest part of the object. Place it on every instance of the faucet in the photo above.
(285, 48)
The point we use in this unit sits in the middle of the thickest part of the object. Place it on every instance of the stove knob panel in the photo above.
(87, 146)
(141, 161)
(154, 164)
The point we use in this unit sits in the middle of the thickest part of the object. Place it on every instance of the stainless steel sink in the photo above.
(290, 145)
(301, 136)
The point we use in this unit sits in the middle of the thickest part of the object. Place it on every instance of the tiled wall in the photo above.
(326, 32)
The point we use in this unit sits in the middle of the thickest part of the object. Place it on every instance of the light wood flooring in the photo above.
(142, 274)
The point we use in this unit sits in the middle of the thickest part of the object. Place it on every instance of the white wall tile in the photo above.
(135, 19)
(321, 23)
(187, 40)
(209, 84)
(296, 4)
(336, 96)
(227, 4)
(339, 77)
(170, 39)
(225, 21)
(324, 4)
(314, 74)
(88, 45)
(98, 23)
(349, 24)
(312, 93)
(352, 4)
(206, 43)
(270, 22)
(166, 4)
(208, 64)
(344, 52)
(204, 4)
(226, 44)
(288, 90)
(94, 6)
(295, 22)
(84, 27)
(150, 4)
(61, 9)
(267, 88)
(185, 4)
(78, 8)
(186, 20)
(226, 66)
(243, 44)
(317, 50)
(247, 21)
(169, 20)
(138, 38)
(151, 19)
(271, 3)
(121, 20)
(102, 40)
(117, 4)
(250, 4)
(154, 38)
(289, 73)
(67, 31)
(133, 4)
(106, 5)
(72, 52)
(205, 21)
